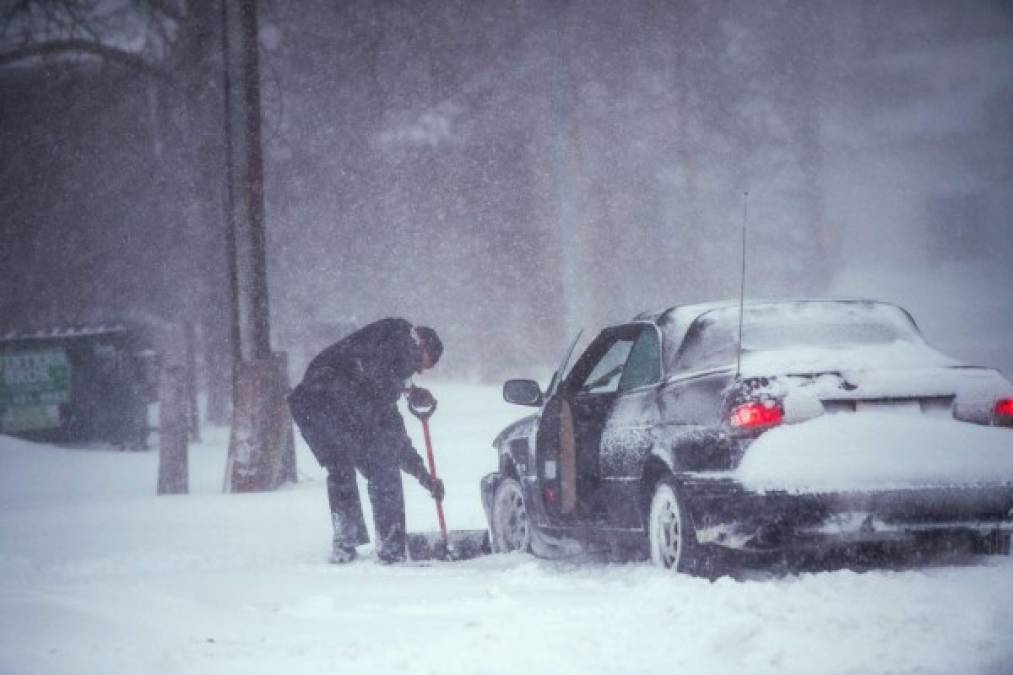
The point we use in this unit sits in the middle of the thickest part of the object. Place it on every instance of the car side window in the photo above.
(643, 366)
(604, 377)
(708, 344)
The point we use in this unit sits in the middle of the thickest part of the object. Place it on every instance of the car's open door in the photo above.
(545, 490)
(569, 433)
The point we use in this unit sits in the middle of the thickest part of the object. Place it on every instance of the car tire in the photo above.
(671, 536)
(508, 524)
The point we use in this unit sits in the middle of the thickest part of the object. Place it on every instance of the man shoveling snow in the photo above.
(346, 409)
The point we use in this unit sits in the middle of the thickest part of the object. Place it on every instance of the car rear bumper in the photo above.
(726, 514)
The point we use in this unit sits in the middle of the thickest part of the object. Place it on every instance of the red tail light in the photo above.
(1004, 410)
(756, 415)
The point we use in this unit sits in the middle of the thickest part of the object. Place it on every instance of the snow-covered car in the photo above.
(812, 423)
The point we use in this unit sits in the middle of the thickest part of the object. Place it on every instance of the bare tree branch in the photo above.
(79, 21)
(82, 47)
(166, 9)
(13, 10)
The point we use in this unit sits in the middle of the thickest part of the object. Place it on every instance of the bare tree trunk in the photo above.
(260, 413)
(173, 463)
(261, 428)
(193, 407)
(218, 360)
(200, 62)
(288, 466)
(246, 180)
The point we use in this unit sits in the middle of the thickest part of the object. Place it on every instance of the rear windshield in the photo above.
(712, 339)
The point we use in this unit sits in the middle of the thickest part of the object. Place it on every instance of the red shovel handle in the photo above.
(432, 472)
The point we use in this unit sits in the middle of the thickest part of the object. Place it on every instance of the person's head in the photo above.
(430, 347)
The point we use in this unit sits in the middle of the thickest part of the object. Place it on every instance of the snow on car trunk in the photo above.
(847, 357)
(876, 450)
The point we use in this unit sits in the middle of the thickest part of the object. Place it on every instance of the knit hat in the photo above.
(430, 342)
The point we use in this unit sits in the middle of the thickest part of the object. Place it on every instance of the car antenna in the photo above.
(742, 283)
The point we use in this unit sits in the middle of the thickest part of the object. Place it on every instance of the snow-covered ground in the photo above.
(98, 575)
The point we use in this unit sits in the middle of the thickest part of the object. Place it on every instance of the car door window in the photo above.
(643, 366)
(564, 367)
(606, 373)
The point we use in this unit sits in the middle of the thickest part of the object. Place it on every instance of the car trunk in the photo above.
(961, 392)
(893, 453)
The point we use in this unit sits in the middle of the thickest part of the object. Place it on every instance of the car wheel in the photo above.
(670, 533)
(509, 522)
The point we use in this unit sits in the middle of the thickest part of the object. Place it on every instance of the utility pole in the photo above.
(261, 431)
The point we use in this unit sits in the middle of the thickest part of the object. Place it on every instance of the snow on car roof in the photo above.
(686, 314)
(676, 321)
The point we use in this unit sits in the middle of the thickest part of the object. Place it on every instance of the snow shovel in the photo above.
(443, 545)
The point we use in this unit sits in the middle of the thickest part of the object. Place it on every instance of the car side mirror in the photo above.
(522, 392)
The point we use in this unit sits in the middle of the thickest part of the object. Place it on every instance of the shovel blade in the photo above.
(460, 545)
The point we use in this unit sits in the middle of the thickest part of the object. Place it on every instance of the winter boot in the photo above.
(390, 548)
(344, 539)
(387, 498)
(343, 553)
(346, 509)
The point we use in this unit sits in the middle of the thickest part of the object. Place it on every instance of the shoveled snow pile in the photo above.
(877, 450)
(98, 576)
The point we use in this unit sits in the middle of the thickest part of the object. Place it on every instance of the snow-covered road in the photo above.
(98, 575)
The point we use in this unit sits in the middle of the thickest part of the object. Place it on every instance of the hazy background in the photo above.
(510, 170)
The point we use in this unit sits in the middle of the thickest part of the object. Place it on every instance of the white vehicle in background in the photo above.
(807, 424)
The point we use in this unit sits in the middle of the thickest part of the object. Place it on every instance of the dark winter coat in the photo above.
(351, 389)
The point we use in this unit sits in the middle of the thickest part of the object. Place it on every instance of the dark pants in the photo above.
(376, 454)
